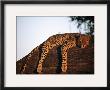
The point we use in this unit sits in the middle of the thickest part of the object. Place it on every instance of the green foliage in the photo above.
(89, 20)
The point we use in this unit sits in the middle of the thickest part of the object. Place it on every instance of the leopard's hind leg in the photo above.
(45, 49)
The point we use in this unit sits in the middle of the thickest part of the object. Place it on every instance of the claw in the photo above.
(39, 69)
(64, 67)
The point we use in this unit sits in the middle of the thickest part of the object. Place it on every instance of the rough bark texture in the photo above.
(80, 61)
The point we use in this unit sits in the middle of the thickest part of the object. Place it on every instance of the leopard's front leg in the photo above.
(65, 47)
(64, 58)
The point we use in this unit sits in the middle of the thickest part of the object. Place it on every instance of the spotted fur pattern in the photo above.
(67, 41)
(85, 41)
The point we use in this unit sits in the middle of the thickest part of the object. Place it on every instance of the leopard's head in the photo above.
(85, 41)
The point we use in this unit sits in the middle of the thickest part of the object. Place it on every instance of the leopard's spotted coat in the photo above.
(67, 41)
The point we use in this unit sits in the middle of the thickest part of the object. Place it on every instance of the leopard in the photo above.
(66, 41)
(85, 40)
